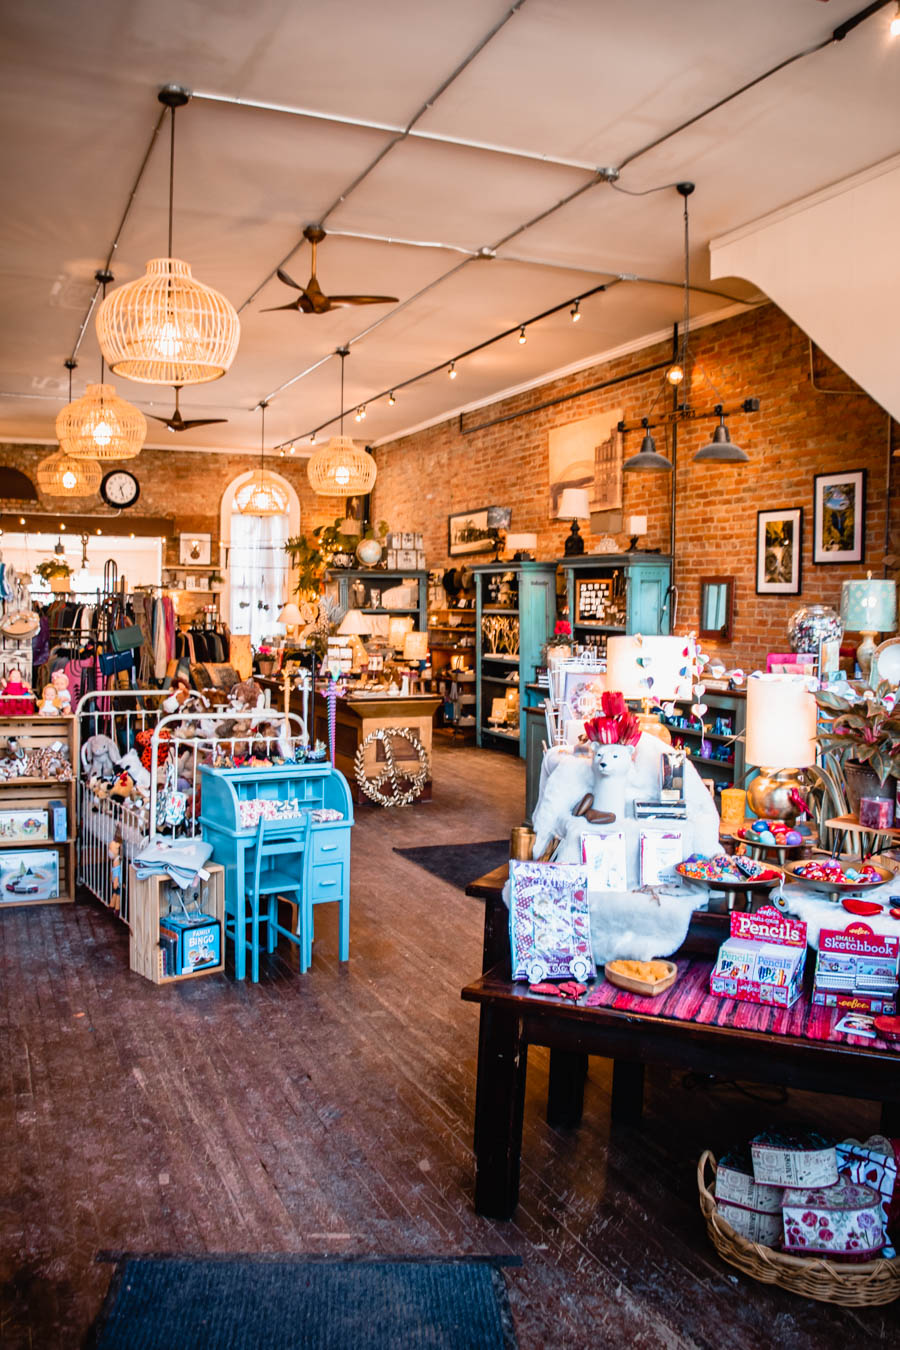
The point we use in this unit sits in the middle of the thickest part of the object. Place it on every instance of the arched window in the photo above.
(259, 577)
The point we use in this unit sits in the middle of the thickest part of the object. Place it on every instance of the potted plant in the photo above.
(559, 646)
(863, 735)
(56, 572)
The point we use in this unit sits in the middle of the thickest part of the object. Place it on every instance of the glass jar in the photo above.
(813, 624)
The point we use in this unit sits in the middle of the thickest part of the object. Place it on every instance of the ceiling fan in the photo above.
(312, 299)
(178, 423)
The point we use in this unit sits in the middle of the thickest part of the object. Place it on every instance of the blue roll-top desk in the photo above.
(314, 786)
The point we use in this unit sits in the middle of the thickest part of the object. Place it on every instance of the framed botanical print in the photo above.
(839, 510)
(779, 547)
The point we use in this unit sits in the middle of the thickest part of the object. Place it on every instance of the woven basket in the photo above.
(863, 1285)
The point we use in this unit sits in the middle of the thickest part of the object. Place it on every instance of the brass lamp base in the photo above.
(652, 726)
(769, 794)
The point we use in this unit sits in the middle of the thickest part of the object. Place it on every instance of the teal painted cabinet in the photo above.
(514, 616)
(615, 593)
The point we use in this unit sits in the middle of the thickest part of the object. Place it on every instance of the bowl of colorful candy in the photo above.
(728, 873)
(770, 834)
(829, 874)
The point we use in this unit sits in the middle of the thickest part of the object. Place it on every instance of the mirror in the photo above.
(716, 607)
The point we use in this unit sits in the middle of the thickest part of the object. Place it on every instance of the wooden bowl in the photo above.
(836, 886)
(648, 988)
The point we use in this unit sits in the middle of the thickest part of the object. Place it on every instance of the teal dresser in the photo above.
(615, 593)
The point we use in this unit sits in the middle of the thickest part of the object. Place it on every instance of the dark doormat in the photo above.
(459, 863)
(297, 1303)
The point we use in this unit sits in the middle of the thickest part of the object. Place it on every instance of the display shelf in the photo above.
(533, 586)
(713, 763)
(852, 824)
(147, 898)
(34, 794)
(347, 584)
(643, 577)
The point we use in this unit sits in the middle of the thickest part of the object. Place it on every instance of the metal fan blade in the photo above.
(288, 280)
(363, 299)
(199, 422)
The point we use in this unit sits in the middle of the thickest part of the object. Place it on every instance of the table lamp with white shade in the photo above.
(780, 742)
(354, 626)
(520, 546)
(650, 668)
(397, 630)
(868, 607)
(291, 617)
(636, 528)
(574, 505)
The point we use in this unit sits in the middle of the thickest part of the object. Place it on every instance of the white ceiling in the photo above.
(587, 82)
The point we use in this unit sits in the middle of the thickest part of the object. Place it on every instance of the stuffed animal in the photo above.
(123, 787)
(48, 706)
(100, 756)
(248, 694)
(18, 700)
(60, 682)
(115, 874)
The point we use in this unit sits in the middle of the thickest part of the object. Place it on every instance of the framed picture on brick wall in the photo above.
(779, 550)
(839, 517)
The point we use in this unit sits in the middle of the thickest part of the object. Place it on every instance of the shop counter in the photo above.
(358, 715)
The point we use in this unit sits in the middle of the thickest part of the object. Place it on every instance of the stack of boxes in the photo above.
(856, 970)
(405, 552)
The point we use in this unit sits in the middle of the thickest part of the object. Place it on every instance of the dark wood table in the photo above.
(512, 1019)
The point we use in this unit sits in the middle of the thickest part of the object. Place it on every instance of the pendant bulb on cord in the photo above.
(171, 177)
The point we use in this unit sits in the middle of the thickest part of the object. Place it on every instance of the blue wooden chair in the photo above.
(279, 863)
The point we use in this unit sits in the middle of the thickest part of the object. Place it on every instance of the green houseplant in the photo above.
(863, 736)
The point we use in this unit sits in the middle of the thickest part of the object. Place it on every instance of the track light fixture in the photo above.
(895, 22)
(452, 371)
(575, 311)
(391, 399)
(522, 338)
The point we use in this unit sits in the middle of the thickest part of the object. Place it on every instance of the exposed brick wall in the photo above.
(797, 433)
(185, 486)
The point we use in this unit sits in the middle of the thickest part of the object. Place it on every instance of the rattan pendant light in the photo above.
(62, 475)
(341, 468)
(262, 494)
(165, 327)
(100, 424)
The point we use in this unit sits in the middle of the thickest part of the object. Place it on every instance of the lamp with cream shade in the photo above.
(354, 626)
(520, 546)
(290, 616)
(397, 630)
(574, 505)
(781, 741)
(648, 668)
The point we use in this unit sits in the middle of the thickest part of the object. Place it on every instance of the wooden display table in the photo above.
(511, 1019)
(359, 715)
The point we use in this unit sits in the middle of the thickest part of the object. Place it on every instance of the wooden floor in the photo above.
(332, 1113)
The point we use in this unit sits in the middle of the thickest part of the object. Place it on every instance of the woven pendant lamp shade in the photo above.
(62, 475)
(341, 469)
(167, 328)
(262, 495)
(100, 425)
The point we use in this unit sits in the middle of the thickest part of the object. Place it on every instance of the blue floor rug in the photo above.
(297, 1303)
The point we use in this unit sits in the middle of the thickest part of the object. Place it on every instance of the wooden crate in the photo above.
(34, 733)
(147, 898)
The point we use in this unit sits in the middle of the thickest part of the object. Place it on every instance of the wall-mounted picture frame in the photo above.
(476, 531)
(195, 550)
(587, 454)
(839, 517)
(779, 550)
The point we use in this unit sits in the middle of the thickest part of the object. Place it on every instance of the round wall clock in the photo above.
(120, 489)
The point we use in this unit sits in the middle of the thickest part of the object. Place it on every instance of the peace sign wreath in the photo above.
(391, 774)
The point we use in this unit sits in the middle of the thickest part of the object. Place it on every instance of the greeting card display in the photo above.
(549, 923)
(605, 858)
(856, 970)
(762, 960)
